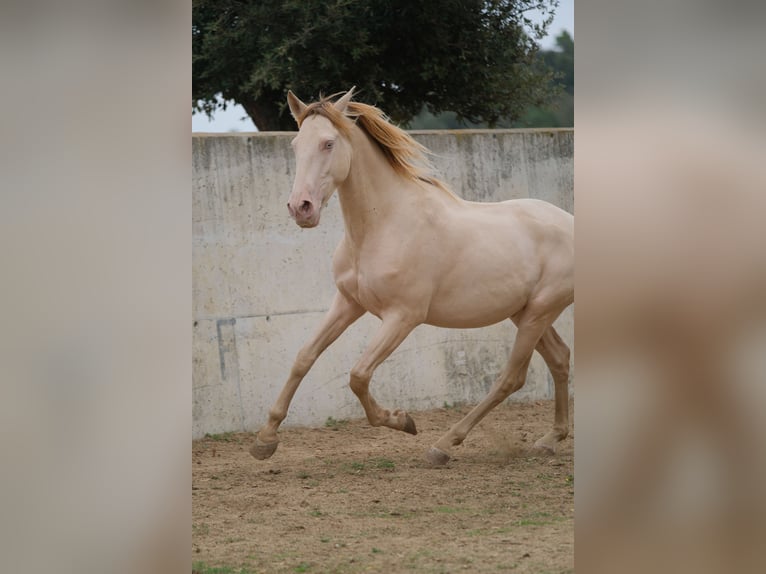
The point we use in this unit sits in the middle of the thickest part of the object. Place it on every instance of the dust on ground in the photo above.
(352, 498)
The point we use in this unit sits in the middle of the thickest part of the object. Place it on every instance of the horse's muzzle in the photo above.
(305, 215)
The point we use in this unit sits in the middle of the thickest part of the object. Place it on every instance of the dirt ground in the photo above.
(352, 498)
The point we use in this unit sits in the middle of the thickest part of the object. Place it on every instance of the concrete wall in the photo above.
(261, 284)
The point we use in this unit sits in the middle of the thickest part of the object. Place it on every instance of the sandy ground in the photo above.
(352, 498)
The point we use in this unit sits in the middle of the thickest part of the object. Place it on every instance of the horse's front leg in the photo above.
(391, 333)
(343, 312)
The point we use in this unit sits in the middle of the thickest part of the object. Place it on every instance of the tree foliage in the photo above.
(559, 112)
(476, 58)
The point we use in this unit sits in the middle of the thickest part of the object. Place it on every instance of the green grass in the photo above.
(539, 519)
(302, 567)
(490, 531)
(356, 467)
(202, 568)
(534, 519)
(335, 424)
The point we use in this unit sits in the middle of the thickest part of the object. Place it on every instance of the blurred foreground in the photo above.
(670, 325)
(670, 196)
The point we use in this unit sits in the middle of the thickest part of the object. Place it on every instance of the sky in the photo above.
(235, 118)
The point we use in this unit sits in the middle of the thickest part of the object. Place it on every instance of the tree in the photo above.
(476, 58)
(560, 112)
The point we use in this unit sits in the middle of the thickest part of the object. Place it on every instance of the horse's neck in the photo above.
(373, 192)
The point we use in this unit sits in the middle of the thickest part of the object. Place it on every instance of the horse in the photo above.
(415, 253)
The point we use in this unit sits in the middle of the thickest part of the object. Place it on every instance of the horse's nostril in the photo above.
(305, 206)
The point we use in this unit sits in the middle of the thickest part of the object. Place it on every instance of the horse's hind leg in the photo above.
(531, 328)
(556, 355)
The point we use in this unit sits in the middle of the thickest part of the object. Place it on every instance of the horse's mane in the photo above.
(406, 156)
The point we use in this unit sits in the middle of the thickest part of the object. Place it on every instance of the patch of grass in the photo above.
(335, 424)
(539, 519)
(356, 467)
(200, 529)
(303, 474)
(302, 567)
(202, 568)
(547, 477)
(376, 550)
(456, 406)
(384, 463)
(324, 540)
(316, 512)
(534, 519)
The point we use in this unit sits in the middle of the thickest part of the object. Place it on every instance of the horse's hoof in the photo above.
(409, 426)
(263, 450)
(437, 457)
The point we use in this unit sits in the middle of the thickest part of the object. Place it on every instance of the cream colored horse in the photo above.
(414, 253)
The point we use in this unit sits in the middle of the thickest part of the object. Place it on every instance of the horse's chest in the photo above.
(375, 277)
(367, 289)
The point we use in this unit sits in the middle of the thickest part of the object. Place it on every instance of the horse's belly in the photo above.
(475, 308)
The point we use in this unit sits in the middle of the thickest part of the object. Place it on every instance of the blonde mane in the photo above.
(406, 156)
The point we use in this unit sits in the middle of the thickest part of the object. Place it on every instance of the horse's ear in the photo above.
(341, 104)
(297, 107)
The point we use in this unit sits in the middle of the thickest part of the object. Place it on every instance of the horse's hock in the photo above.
(261, 285)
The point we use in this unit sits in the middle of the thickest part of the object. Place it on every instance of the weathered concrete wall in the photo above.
(261, 284)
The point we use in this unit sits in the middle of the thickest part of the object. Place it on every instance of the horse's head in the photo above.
(322, 154)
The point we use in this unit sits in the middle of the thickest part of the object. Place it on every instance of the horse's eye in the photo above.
(328, 144)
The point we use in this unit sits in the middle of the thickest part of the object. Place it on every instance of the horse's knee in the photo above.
(516, 383)
(358, 381)
(507, 388)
